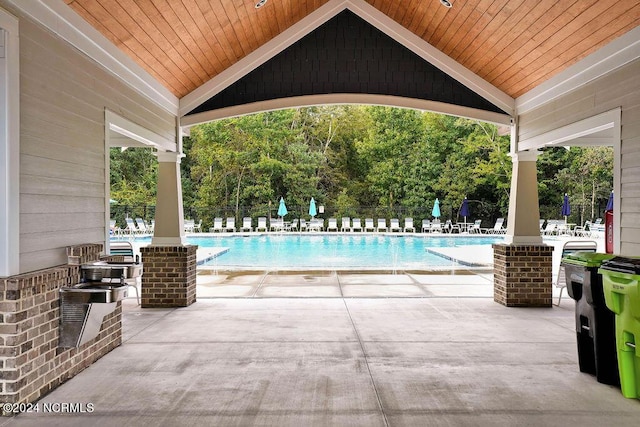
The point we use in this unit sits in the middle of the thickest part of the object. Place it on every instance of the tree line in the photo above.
(354, 160)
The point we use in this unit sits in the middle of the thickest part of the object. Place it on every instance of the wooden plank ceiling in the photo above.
(513, 44)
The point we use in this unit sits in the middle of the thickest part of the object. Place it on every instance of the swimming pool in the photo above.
(322, 251)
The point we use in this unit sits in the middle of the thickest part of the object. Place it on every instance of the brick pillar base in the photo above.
(169, 276)
(522, 275)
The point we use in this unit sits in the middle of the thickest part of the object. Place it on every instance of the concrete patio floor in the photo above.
(295, 355)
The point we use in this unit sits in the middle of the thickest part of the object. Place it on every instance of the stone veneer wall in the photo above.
(31, 364)
(169, 278)
(522, 275)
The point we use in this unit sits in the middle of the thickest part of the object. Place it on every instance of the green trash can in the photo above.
(621, 281)
(595, 323)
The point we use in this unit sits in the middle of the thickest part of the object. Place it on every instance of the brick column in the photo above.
(169, 278)
(522, 275)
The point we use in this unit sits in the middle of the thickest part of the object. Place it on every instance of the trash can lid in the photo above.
(622, 265)
(587, 259)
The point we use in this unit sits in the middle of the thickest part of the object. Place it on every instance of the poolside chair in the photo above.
(131, 227)
(231, 224)
(197, 227)
(262, 224)
(142, 226)
(293, 226)
(542, 221)
(189, 225)
(449, 227)
(426, 225)
(408, 225)
(356, 225)
(569, 247)
(303, 224)
(316, 224)
(476, 227)
(497, 227)
(382, 225)
(368, 224)
(345, 225)
(550, 228)
(114, 230)
(332, 225)
(125, 250)
(246, 224)
(394, 225)
(583, 231)
(217, 225)
(276, 224)
(436, 226)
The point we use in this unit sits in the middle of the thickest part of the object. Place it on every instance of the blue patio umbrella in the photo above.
(464, 209)
(436, 209)
(566, 207)
(312, 208)
(610, 203)
(282, 209)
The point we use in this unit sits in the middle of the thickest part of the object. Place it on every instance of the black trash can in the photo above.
(595, 323)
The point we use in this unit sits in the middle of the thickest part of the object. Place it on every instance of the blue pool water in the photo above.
(332, 251)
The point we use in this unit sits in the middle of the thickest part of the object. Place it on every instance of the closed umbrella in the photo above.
(464, 209)
(282, 209)
(436, 209)
(610, 203)
(312, 208)
(566, 207)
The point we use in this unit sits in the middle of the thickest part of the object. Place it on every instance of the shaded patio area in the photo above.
(463, 361)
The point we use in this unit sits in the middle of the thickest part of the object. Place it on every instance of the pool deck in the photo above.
(342, 348)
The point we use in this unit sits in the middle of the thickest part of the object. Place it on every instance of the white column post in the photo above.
(523, 226)
(9, 146)
(169, 225)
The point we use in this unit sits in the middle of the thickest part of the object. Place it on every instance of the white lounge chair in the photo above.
(142, 226)
(394, 225)
(231, 224)
(345, 225)
(583, 231)
(303, 224)
(569, 247)
(246, 224)
(426, 225)
(316, 224)
(382, 225)
(551, 228)
(449, 227)
(332, 224)
(436, 226)
(408, 225)
(476, 227)
(196, 227)
(189, 225)
(368, 224)
(131, 227)
(356, 225)
(497, 227)
(293, 226)
(125, 249)
(217, 225)
(276, 224)
(262, 224)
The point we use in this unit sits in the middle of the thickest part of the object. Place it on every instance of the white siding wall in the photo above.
(620, 89)
(62, 152)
